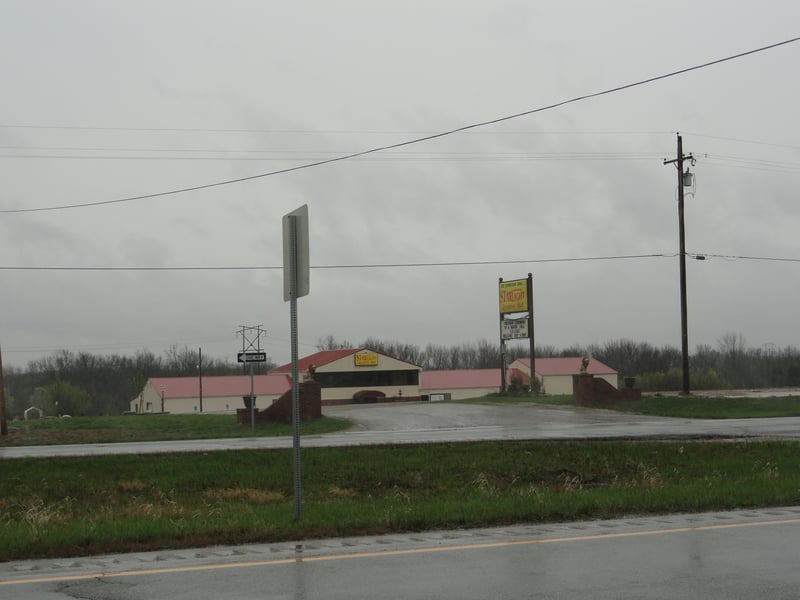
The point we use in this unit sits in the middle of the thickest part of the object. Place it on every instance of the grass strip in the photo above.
(93, 505)
(695, 407)
(152, 428)
(690, 407)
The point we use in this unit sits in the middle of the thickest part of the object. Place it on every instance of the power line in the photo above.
(138, 345)
(324, 131)
(765, 166)
(408, 142)
(703, 256)
(743, 141)
(472, 263)
(346, 266)
(397, 157)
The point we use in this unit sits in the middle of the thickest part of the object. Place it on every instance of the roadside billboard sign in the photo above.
(514, 329)
(514, 296)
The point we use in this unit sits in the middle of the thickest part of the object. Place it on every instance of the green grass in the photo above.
(89, 505)
(691, 407)
(552, 400)
(697, 407)
(143, 428)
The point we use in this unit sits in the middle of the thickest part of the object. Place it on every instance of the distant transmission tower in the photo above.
(251, 339)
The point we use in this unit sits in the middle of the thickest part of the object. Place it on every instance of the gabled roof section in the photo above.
(569, 365)
(460, 379)
(220, 386)
(326, 357)
(317, 359)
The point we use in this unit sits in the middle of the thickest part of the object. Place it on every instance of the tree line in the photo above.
(89, 384)
(83, 383)
(729, 365)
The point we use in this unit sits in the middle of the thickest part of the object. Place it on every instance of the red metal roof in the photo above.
(569, 365)
(220, 386)
(460, 379)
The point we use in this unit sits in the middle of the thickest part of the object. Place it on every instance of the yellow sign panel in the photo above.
(366, 359)
(513, 296)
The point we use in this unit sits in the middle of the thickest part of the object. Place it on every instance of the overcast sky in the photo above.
(104, 101)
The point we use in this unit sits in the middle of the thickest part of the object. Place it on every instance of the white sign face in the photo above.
(297, 220)
(244, 357)
(514, 329)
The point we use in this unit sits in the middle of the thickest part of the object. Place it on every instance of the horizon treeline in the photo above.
(731, 365)
(85, 383)
(101, 384)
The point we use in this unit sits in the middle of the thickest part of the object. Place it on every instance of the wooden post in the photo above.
(3, 422)
(530, 328)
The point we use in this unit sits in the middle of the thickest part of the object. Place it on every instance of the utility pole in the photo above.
(531, 329)
(200, 374)
(682, 178)
(3, 422)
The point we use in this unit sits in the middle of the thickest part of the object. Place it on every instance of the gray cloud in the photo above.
(298, 84)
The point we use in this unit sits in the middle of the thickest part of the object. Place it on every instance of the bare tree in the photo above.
(331, 343)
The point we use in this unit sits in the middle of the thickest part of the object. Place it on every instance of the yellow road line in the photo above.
(382, 553)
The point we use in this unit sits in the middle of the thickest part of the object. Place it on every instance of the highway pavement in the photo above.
(736, 555)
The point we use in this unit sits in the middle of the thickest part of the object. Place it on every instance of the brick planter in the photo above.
(281, 410)
(588, 390)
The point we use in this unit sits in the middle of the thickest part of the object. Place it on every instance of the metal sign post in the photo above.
(252, 401)
(250, 358)
(295, 285)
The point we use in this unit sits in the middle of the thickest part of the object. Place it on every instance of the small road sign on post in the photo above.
(248, 357)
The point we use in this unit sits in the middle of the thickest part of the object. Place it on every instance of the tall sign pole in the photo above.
(251, 353)
(295, 285)
(250, 357)
(252, 401)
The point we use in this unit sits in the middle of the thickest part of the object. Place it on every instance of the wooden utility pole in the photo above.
(3, 422)
(678, 162)
(503, 359)
(200, 374)
(532, 353)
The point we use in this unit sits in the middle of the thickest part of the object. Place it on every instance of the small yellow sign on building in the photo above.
(366, 359)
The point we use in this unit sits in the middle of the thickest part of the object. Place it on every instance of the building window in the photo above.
(359, 379)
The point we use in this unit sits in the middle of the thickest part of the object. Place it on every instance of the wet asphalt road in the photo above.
(737, 555)
(422, 422)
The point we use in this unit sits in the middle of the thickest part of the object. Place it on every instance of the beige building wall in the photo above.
(560, 385)
(148, 402)
(556, 385)
(151, 403)
(463, 393)
(391, 391)
(348, 364)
